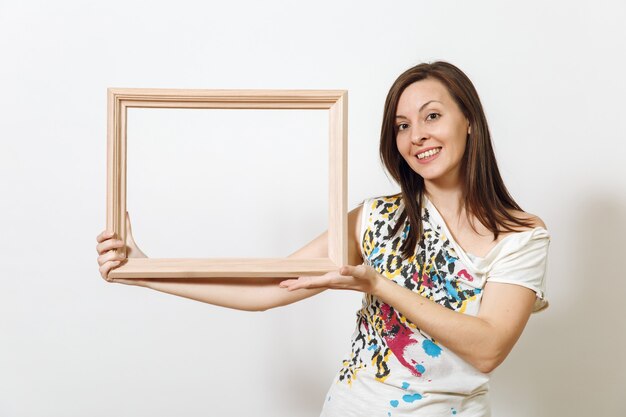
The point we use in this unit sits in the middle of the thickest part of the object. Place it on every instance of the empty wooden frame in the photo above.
(336, 101)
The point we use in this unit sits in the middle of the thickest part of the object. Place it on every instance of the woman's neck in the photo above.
(448, 199)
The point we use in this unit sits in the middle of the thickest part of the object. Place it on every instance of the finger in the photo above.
(350, 270)
(298, 286)
(109, 256)
(323, 281)
(107, 234)
(358, 271)
(108, 245)
(294, 284)
(106, 267)
(287, 283)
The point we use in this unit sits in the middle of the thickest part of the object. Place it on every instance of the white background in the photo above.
(550, 76)
(227, 183)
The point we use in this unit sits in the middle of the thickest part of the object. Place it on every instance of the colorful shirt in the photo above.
(395, 369)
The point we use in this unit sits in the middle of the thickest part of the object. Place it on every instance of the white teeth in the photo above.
(428, 153)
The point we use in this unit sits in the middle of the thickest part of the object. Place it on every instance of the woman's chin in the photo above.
(429, 174)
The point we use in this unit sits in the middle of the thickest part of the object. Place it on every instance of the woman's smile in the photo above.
(426, 156)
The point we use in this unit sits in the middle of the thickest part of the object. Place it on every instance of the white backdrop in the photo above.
(550, 75)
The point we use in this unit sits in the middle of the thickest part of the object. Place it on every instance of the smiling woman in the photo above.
(440, 119)
(450, 268)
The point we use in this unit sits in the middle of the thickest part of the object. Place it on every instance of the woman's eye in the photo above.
(402, 126)
(435, 116)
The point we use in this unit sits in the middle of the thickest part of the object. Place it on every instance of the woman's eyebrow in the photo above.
(399, 116)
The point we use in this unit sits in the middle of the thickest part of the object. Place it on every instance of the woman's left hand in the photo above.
(358, 278)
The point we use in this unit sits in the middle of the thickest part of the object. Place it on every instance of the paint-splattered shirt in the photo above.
(393, 368)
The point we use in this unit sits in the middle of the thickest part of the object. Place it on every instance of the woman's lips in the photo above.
(428, 158)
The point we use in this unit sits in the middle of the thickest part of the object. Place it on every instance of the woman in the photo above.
(451, 268)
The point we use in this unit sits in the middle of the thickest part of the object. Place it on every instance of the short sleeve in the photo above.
(525, 263)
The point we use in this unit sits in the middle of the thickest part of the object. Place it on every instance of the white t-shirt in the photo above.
(395, 369)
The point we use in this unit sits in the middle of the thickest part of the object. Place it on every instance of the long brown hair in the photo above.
(484, 193)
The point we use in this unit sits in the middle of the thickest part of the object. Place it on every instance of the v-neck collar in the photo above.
(477, 261)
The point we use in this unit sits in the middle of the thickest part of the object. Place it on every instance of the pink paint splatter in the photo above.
(426, 281)
(466, 275)
(399, 342)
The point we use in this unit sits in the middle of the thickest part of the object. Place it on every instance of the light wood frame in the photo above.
(336, 101)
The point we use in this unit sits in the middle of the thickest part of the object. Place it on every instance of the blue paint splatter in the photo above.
(329, 398)
(394, 403)
(373, 252)
(405, 385)
(453, 292)
(410, 398)
(419, 368)
(372, 347)
(430, 348)
(389, 413)
(450, 259)
(453, 411)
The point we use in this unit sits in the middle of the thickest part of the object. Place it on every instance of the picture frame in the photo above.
(335, 101)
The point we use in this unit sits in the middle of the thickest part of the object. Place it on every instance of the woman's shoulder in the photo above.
(533, 219)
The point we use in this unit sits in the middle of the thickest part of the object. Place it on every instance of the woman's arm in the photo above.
(484, 340)
(248, 294)
(254, 294)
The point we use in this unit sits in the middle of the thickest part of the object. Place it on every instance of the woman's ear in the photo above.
(469, 130)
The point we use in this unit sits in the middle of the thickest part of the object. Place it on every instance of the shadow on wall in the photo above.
(570, 360)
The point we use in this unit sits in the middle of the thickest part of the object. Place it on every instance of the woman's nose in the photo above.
(417, 135)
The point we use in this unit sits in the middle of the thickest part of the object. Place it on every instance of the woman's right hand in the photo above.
(108, 259)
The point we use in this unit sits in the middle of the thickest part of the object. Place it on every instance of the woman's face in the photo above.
(429, 120)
